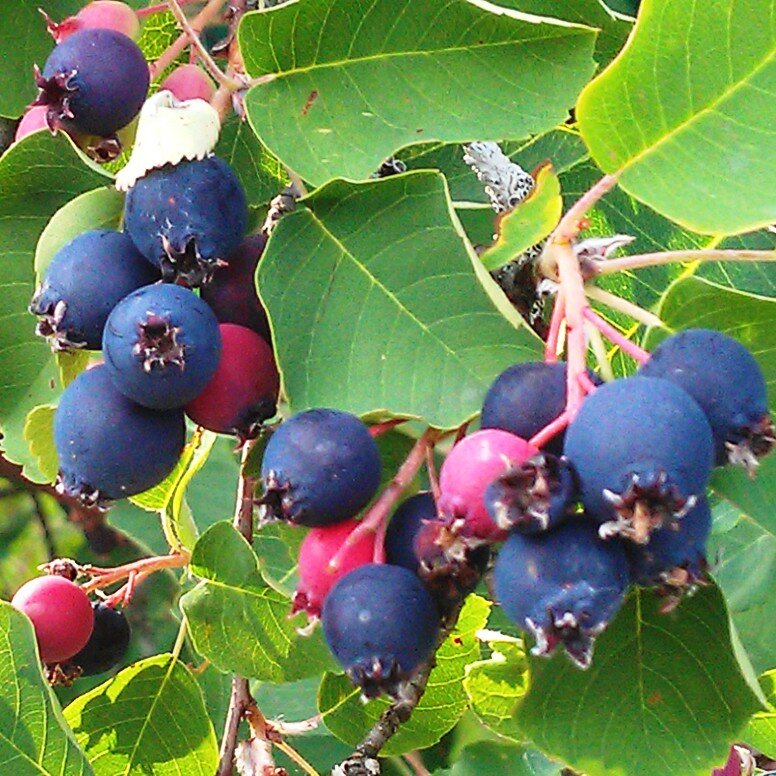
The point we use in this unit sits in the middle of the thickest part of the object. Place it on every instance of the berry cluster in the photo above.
(75, 637)
(616, 498)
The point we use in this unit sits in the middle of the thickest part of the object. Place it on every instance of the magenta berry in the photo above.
(470, 467)
(320, 467)
(318, 548)
(187, 218)
(85, 280)
(161, 346)
(189, 82)
(562, 586)
(94, 82)
(99, 14)
(380, 623)
(108, 446)
(61, 615)
(243, 391)
(231, 293)
(33, 120)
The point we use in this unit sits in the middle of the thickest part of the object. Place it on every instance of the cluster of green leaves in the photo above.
(381, 306)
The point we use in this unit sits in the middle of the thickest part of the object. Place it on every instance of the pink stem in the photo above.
(152, 9)
(378, 513)
(588, 386)
(433, 479)
(381, 428)
(540, 438)
(558, 316)
(570, 225)
(633, 350)
(671, 257)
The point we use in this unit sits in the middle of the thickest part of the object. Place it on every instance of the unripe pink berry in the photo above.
(33, 120)
(100, 14)
(189, 82)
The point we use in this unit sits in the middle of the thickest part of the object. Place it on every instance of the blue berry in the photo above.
(161, 346)
(108, 446)
(320, 467)
(187, 218)
(562, 586)
(724, 378)
(404, 527)
(86, 279)
(525, 398)
(381, 624)
(93, 82)
(107, 644)
(675, 557)
(643, 452)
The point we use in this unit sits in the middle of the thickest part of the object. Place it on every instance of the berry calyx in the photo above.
(381, 624)
(316, 578)
(320, 467)
(61, 615)
(243, 391)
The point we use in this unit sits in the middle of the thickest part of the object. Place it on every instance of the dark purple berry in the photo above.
(675, 557)
(243, 391)
(381, 624)
(161, 346)
(643, 452)
(724, 378)
(532, 496)
(86, 279)
(562, 586)
(107, 644)
(187, 218)
(525, 398)
(93, 82)
(320, 467)
(108, 446)
(231, 292)
(404, 527)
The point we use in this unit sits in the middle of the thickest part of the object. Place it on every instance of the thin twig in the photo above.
(634, 351)
(599, 349)
(102, 577)
(48, 538)
(416, 762)
(623, 306)
(570, 225)
(550, 430)
(556, 320)
(433, 477)
(292, 754)
(210, 65)
(284, 728)
(672, 257)
(159, 7)
(238, 703)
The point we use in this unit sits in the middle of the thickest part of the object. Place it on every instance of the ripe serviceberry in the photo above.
(107, 644)
(61, 615)
(525, 398)
(563, 586)
(187, 218)
(104, 14)
(231, 293)
(643, 452)
(85, 280)
(189, 82)
(108, 446)
(161, 346)
(93, 82)
(469, 468)
(381, 624)
(724, 378)
(320, 467)
(316, 578)
(404, 527)
(243, 391)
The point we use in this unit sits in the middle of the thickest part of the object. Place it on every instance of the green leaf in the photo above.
(39, 433)
(496, 686)
(261, 175)
(402, 319)
(238, 622)
(38, 176)
(353, 84)
(653, 700)
(756, 277)
(97, 209)
(34, 737)
(691, 98)
(148, 719)
(528, 223)
(277, 546)
(439, 709)
(761, 730)
(490, 758)
(24, 42)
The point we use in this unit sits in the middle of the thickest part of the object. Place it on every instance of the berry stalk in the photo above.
(633, 350)
(671, 257)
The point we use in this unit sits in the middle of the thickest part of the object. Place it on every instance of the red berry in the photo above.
(100, 14)
(61, 615)
(318, 548)
(243, 391)
(189, 82)
(468, 470)
(33, 120)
